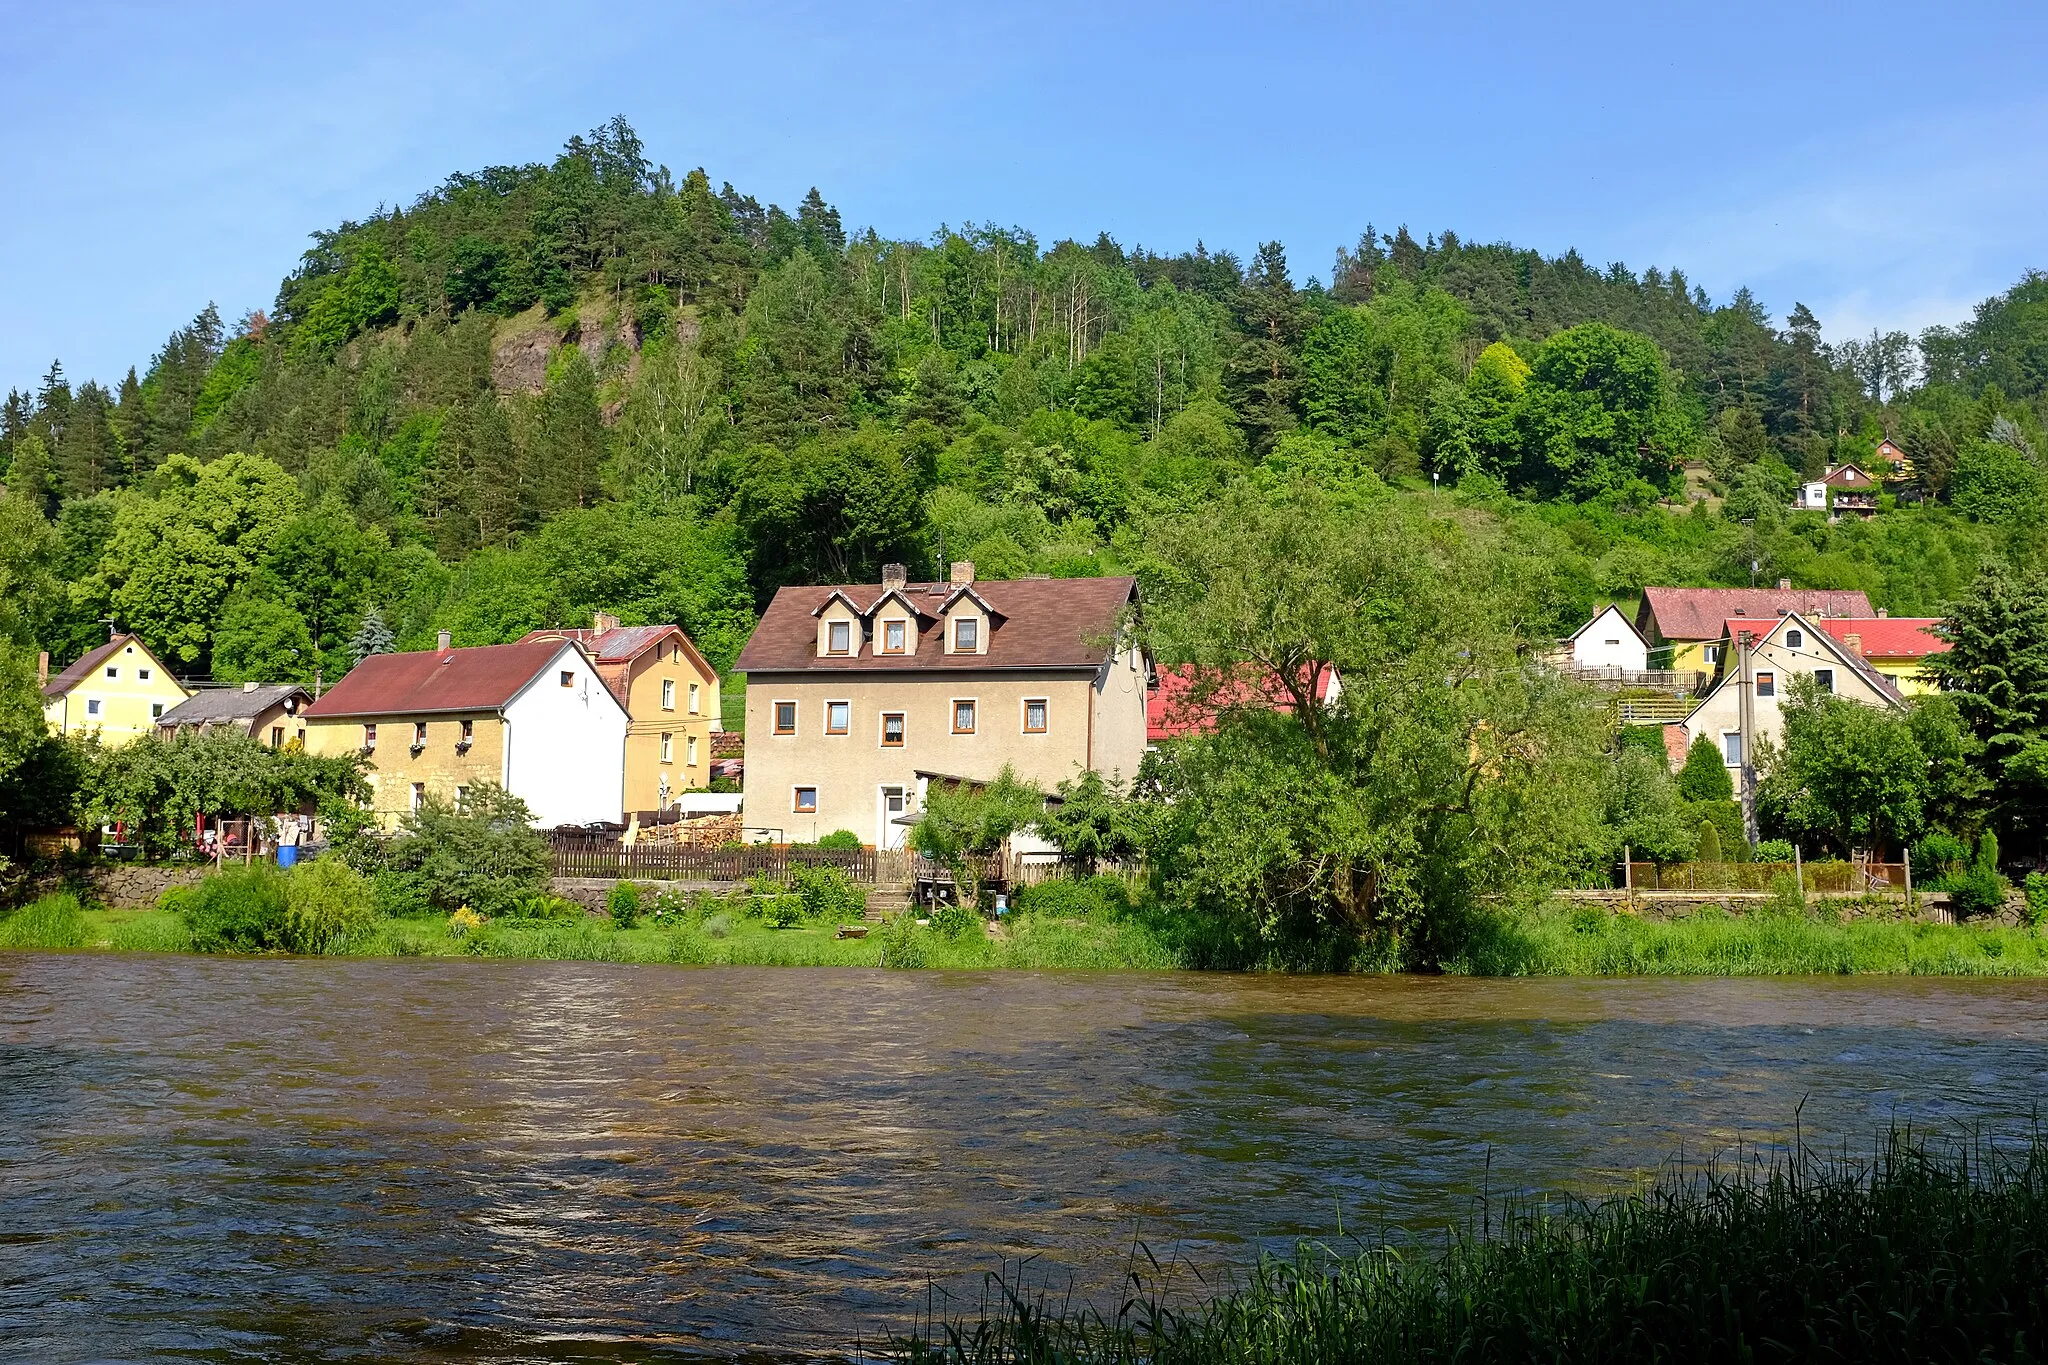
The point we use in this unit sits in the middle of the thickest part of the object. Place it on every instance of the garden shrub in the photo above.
(622, 903)
(955, 921)
(785, 911)
(1788, 897)
(1774, 851)
(540, 905)
(53, 921)
(485, 855)
(1069, 898)
(840, 839)
(718, 925)
(242, 911)
(398, 895)
(2037, 900)
(1938, 856)
(327, 903)
(1977, 890)
(828, 893)
(903, 944)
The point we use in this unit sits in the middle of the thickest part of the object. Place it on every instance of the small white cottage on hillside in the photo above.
(1609, 641)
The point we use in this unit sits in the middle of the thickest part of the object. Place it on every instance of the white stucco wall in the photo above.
(565, 747)
(1610, 642)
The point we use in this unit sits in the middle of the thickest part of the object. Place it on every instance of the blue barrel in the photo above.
(287, 855)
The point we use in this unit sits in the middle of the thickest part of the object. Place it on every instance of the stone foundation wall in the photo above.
(124, 886)
(590, 892)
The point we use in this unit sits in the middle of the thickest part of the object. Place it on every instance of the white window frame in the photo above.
(1824, 679)
(1731, 740)
(668, 747)
(1766, 683)
(419, 795)
(693, 699)
(92, 706)
(668, 694)
(690, 751)
(142, 675)
(1794, 640)
(846, 728)
(112, 671)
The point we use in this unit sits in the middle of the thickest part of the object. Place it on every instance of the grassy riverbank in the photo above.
(1551, 941)
(1916, 1255)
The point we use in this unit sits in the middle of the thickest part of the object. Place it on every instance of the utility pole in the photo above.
(1745, 698)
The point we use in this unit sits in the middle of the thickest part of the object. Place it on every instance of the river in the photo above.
(214, 1159)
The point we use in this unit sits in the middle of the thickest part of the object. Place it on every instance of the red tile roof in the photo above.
(615, 647)
(1891, 637)
(482, 678)
(1699, 613)
(1043, 623)
(1171, 712)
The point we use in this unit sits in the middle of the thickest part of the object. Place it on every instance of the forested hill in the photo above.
(547, 389)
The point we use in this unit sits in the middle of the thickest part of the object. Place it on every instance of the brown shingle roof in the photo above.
(85, 664)
(1044, 623)
(1699, 613)
(481, 678)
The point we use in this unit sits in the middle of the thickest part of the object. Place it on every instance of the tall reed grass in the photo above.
(53, 921)
(1917, 1253)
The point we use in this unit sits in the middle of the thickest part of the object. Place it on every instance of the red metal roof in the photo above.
(1700, 613)
(1042, 623)
(1891, 637)
(480, 678)
(1170, 710)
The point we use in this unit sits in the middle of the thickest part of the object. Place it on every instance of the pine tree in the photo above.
(1704, 776)
(371, 637)
(1708, 850)
(1262, 378)
(29, 475)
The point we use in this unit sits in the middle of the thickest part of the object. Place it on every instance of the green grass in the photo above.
(1591, 941)
(54, 921)
(1916, 1254)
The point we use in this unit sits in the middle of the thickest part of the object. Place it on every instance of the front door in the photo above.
(890, 835)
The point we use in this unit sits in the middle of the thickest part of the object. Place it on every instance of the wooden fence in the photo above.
(574, 857)
(1819, 876)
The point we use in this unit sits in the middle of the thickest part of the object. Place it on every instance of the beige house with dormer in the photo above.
(860, 694)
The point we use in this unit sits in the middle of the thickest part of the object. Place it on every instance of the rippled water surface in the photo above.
(442, 1160)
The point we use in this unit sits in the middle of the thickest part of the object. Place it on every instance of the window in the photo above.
(1731, 747)
(785, 718)
(92, 708)
(568, 677)
(142, 674)
(806, 802)
(966, 635)
(892, 730)
(668, 748)
(1794, 640)
(419, 794)
(1034, 715)
(963, 717)
(1713, 654)
(1824, 678)
(839, 637)
(691, 748)
(113, 672)
(156, 709)
(668, 694)
(277, 736)
(1767, 684)
(838, 717)
(419, 734)
(468, 735)
(462, 798)
(893, 636)
(369, 737)
(1611, 644)
(693, 699)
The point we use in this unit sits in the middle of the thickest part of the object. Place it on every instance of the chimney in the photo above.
(1883, 612)
(963, 572)
(447, 640)
(42, 667)
(599, 621)
(1855, 643)
(894, 576)
(1784, 585)
(248, 687)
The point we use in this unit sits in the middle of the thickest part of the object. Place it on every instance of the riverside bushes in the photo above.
(53, 921)
(1916, 1254)
(317, 907)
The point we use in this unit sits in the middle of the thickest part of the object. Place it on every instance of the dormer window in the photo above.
(966, 635)
(839, 637)
(894, 633)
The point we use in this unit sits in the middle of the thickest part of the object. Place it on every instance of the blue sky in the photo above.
(1886, 164)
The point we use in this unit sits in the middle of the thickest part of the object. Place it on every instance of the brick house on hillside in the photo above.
(857, 694)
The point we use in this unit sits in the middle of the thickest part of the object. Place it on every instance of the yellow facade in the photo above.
(672, 703)
(120, 697)
(1905, 674)
(405, 767)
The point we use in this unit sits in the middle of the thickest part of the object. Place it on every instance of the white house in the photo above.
(533, 717)
(1609, 641)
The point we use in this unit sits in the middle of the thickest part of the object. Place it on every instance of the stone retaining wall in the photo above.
(590, 892)
(125, 886)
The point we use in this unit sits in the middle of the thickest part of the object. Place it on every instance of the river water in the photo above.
(207, 1159)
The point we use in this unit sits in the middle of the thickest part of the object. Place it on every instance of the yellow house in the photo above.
(1896, 646)
(670, 692)
(119, 690)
